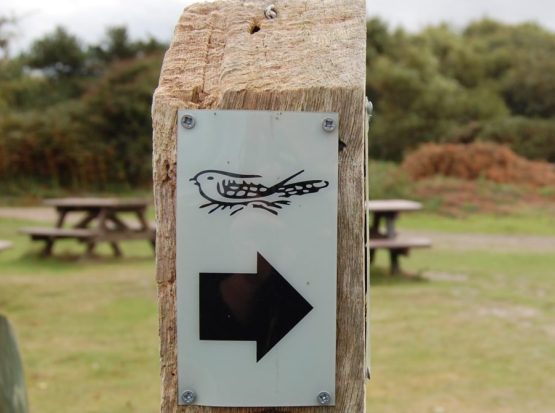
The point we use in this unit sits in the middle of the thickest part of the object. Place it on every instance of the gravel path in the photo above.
(466, 242)
(44, 215)
(39, 214)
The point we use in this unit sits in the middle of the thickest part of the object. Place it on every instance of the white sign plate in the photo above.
(256, 257)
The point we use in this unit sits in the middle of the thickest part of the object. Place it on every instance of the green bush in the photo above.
(531, 138)
(49, 148)
(102, 140)
(387, 181)
(117, 117)
(491, 81)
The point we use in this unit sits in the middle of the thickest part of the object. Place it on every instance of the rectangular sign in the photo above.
(256, 257)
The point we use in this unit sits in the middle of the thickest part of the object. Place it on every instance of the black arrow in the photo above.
(261, 307)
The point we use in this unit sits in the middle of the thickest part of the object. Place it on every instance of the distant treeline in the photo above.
(77, 117)
(490, 81)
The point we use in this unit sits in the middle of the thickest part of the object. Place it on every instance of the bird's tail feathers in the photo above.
(301, 188)
(282, 183)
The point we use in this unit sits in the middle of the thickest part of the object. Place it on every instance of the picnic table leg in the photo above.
(103, 216)
(91, 215)
(394, 257)
(375, 228)
(372, 255)
(120, 225)
(47, 250)
(118, 222)
(390, 225)
(116, 249)
(145, 226)
(89, 253)
(61, 218)
(395, 268)
(142, 219)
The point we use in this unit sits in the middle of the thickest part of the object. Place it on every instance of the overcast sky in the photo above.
(89, 18)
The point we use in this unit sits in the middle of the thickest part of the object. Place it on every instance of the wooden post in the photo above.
(13, 393)
(311, 57)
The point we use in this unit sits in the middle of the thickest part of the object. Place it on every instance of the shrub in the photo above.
(479, 160)
(387, 180)
(49, 148)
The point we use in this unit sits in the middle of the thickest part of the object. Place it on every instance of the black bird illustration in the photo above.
(226, 190)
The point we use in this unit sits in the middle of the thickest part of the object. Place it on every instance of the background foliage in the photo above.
(490, 81)
(77, 117)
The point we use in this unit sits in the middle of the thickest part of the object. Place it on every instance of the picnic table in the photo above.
(101, 221)
(385, 214)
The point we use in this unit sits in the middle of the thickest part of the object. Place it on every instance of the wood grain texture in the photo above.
(310, 58)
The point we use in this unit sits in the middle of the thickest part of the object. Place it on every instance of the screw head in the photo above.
(188, 397)
(324, 398)
(270, 12)
(188, 122)
(369, 107)
(329, 125)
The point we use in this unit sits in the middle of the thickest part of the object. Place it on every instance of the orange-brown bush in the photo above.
(477, 160)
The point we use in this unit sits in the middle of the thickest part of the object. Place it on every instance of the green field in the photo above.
(88, 330)
(531, 222)
(471, 331)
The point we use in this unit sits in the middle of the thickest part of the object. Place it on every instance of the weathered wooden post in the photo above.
(13, 393)
(301, 66)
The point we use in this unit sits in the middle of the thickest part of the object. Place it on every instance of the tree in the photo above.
(378, 39)
(7, 32)
(58, 54)
(118, 109)
(115, 46)
(447, 85)
(529, 88)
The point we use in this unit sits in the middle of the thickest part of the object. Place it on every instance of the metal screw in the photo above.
(270, 12)
(329, 125)
(188, 122)
(188, 397)
(369, 108)
(324, 398)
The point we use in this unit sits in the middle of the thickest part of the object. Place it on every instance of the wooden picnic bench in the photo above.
(101, 222)
(385, 214)
(397, 247)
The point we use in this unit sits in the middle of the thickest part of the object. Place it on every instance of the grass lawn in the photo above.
(477, 334)
(526, 222)
(88, 331)
(474, 333)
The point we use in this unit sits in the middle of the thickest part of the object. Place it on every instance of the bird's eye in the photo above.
(210, 178)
